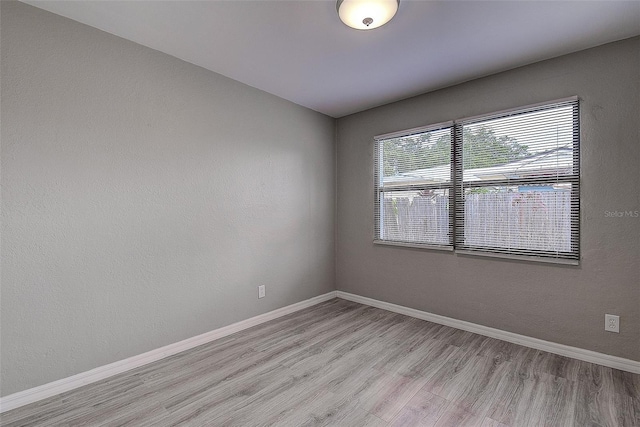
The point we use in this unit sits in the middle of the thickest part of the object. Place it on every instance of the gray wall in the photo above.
(556, 303)
(144, 199)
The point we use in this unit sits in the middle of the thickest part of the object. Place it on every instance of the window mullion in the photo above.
(457, 197)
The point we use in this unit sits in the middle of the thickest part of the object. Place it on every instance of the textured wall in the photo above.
(556, 303)
(145, 198)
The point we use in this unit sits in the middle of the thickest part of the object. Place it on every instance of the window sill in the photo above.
(413, 245)
(531, 258)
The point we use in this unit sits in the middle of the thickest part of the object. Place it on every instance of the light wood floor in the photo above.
(344, 364)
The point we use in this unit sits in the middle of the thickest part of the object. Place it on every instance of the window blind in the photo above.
(500, 184)
(413, 187)
(518, 182)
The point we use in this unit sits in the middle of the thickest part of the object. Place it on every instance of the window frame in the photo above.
(457, 188)
(379, 188)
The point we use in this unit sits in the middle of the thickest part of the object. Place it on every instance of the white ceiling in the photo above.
(300, 51)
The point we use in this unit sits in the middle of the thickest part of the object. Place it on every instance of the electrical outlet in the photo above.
(612, 323)
(261, 291)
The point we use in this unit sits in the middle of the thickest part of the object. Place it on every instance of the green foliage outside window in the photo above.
(482, 148)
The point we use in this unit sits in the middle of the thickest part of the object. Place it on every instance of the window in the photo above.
(505, 184)
(414, 187)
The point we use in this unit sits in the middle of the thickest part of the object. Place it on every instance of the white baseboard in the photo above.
(551, 347)
(44, 391)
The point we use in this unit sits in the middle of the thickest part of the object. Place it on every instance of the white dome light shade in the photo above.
(366, 14)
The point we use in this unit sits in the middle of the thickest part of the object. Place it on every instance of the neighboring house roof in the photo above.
(558, 161)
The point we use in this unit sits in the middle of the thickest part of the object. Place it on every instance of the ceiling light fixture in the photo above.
(366, 14)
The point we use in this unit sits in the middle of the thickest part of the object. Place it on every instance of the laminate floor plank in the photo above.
(340, 363)
(456, 416)
(385, 397)
(429, 359)
(423, 409)
(278, 406)
(488, 422)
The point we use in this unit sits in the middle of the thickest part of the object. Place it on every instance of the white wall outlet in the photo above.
(612, 323)
(261, 291)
